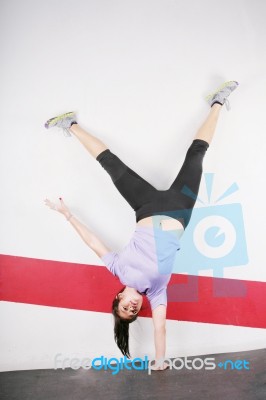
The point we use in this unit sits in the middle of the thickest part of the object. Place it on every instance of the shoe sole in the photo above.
(220, 88)
(52, 121)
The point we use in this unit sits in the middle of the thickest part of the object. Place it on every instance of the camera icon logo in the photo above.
(213, 240)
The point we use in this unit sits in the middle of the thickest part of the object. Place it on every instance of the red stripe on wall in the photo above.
(92, 288)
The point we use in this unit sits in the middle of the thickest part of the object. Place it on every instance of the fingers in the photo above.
(62, 208)
(50, 204)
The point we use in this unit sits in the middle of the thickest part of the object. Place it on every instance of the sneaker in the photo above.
(62, 121)
(221, 94)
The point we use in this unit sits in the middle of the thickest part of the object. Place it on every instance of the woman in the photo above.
(144, 265)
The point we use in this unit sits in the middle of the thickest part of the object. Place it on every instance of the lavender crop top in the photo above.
(146, 262)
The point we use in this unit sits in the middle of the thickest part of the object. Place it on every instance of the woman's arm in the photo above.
(86, 235)
(159, 323)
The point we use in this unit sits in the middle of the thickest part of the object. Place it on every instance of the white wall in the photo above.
(136, 73)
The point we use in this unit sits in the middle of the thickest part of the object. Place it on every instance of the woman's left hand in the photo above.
(61, 208)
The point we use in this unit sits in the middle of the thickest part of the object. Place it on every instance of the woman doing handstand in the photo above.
(144, 265)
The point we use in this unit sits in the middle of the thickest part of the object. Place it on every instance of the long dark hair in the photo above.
(121, 327)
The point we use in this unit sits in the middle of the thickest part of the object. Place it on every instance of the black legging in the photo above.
(176, 202)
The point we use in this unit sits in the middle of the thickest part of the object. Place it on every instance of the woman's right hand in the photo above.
(61, 208)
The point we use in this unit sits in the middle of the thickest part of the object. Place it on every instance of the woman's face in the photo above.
(130, 303)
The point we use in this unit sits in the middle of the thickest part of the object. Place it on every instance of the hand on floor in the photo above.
(159, 367)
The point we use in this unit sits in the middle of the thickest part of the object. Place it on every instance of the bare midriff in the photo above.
(166, 224)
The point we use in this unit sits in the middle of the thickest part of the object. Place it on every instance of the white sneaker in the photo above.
(221, 94)
(63, 121)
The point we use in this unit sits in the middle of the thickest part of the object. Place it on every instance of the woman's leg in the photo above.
(190, 172)
(135, 190)
(94, 145)
(207, 129)
(187, 183)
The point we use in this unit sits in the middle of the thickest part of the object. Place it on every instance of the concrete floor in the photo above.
(245, 384)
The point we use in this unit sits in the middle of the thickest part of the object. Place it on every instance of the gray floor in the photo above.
(169, 384)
